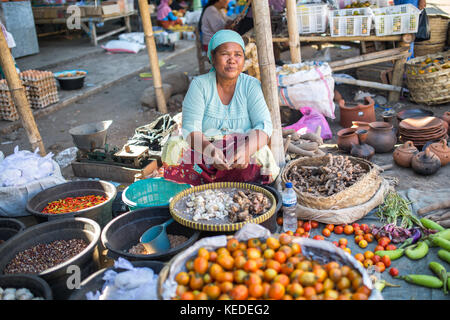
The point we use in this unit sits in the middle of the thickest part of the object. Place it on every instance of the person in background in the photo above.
(165, 17)
(212, 20)
(11, 44)
(247, 22)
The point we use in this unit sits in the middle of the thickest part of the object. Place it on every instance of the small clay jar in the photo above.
(425, 162)
(441, 150)
(404, 154)
(362, 150)
(346, 137)
(381, 136)
(446, 117)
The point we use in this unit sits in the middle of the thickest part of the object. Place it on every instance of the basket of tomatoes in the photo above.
(255, 264)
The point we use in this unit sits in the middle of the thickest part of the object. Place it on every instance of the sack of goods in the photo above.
(308, 84)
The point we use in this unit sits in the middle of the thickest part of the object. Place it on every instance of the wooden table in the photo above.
(398, 55)
(89, 24)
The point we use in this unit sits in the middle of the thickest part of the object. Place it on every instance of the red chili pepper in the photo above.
(71, 204)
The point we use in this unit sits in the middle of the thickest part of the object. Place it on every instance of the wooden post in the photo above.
(399, 68)
(266, 61)
(294, 37)
(153, 55)
(19, 96)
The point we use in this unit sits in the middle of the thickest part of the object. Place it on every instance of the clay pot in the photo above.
(404, 154)
(441, 150)
(347, 137)
(381, 136)
(361, 125)
(425, 162)
(360, 112)
(362, 150)
(446, 117)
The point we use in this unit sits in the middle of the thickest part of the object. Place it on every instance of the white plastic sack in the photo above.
(119, 46)
(22, 175)
(136, 37)
(133, 284)
(192, 17)
(311, 86)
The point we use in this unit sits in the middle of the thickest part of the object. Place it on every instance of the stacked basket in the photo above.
(431, 85)
(436, 43)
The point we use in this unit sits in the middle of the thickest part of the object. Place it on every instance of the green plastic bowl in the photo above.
(151, 192)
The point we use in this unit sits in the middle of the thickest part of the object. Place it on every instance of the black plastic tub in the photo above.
(9, 227)
(101, 213)
(37, 285)
(95, 281)
(124, 232)
(63, 277)
(71, 83)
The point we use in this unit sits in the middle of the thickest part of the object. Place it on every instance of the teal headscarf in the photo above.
(221, 37)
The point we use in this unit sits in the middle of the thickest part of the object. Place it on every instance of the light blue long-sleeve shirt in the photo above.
(204, 111)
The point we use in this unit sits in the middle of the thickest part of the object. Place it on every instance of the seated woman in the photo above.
(212, 20)
(165, 17)
(226, 124)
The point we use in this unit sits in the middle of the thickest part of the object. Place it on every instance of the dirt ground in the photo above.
(120, 103)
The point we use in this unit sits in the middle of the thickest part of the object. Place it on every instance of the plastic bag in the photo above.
(310, 121)
(311, 85)
(423, 32)
(119, 46)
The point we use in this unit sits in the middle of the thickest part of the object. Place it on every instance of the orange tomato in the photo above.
(295, 290)
(207, 278)
(182, 278)
(309, 292)
(318, 237)
(224, 296)
(348, 229)
(326, 232)
(368, 254)
(242, 246)
(314, 224)
(273, 264)
(296, 248)
(348, 250)
(200, 265)
(237, 253)
(289, 233)
(300, 231)
(299, 223)
(384, 241)
(226, 261)
(188, 295)
(287, 250)
(212, 256)
(232, 244)
(338, 229)
(280, 256)
(380, 266)
(331, 265)
(321, 274)
(214, 270)
(282, 278)
(318, 287)
(378, 248)
(269, 274)
(336, 243)
(253, 278)
(364, 227)
(343, 241)
(331, 295)
(180, 290)
(287, 268)
(359, 238)
(335, 274)
(273, 243)
(391, 247)
(368, 237)
(251, 266)
(387, 261)
(268, 253)
(213, 291)
(276, 291)
(342, 246)
(359, 296)
(239, 292)
(225, 276)
(196, 282)
(330, 227)
(285, 239)
(367, 263)
(190, 264)
(239, 276)
(256, 290)
(226, 286)
(253, 253)
(358, 232)
(222, 251)
(359, 257)
(253, 243)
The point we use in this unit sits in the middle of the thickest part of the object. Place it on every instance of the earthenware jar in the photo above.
(446, 117)
(358, 112)
(425, 162)
(346, 137)
(362, 150)
(441, 150)
(361, 125)
(381, 136)
(404, 154)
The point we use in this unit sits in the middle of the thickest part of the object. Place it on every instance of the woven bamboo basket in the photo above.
(359, 193)
(428, 88)
(321, 251)
(438, 36)
(424, 49)
(215, 226)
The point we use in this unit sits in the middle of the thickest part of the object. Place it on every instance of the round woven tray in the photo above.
(213, 225)
(359, 193)
(428, 88)
(321, 251)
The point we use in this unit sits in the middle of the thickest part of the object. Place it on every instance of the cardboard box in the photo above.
(93, 11)
(110, 8)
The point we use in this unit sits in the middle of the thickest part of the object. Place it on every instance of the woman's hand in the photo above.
(219, 161)
(241, 158)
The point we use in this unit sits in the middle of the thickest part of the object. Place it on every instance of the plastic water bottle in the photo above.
(289, 198)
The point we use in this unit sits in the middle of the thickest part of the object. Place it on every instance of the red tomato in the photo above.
(364, 227)
(307, 226)
(384, 241)
(343, 241)
(393, 272)
(380, 266)
(378, 248)
(387, 261)
(336, 243)
(330, 227)
(339, 229)
(314, 224)
(355, 225)
(391, 247)
(376, 259)
(326, 232)
(318, 237)
(280, 221)
(299, 223)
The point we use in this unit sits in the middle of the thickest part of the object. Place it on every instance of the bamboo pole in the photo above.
(19, 96)
(153, 55)
(370, 84)
(294, 36)
(266, 61)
